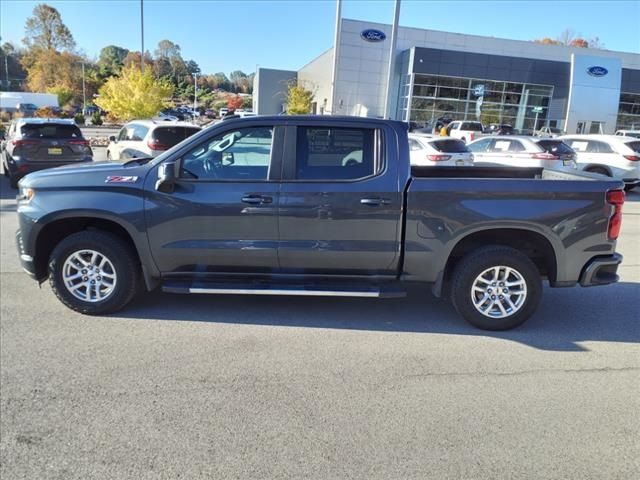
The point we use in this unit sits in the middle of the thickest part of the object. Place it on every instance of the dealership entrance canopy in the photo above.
(440, 76)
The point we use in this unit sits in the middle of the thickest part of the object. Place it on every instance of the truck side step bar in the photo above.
(262, 288)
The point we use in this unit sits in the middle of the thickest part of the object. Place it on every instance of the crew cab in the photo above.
(466, 131)
(315, 205)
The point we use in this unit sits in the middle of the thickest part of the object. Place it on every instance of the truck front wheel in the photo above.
(94, 272)
(496, 288)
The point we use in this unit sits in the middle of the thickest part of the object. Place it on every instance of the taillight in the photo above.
(472, 136)
(154, 145)
(632, 158)
(84, 143)
(544, 156)
(438, 158)
(23, 143)
(615, 198)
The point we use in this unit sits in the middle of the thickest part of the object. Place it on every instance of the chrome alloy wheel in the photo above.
(499, 292)
(89, 276)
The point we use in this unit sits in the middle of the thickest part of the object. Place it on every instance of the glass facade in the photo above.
(430, 99)
(629, 112)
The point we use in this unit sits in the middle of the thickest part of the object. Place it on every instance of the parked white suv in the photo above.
(612, 155)
(516, 151)
(147, 138)
(465, 131)
(439, 151)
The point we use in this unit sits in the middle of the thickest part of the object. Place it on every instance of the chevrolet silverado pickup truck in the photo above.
(319, 206)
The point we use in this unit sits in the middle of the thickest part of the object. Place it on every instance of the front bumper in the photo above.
(601, 270)
(26, 261)
(19, 168)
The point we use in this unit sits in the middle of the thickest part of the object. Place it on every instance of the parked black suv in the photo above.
(37, 143)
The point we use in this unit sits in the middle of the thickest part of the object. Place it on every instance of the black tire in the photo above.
(601, 171)
(119, 253)
(473, 265)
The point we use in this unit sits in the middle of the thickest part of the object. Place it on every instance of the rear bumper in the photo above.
(19, 169)
(601, 270)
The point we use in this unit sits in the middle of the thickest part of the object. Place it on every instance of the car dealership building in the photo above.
(440, 75)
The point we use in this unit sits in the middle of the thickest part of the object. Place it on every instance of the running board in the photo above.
(235, 288)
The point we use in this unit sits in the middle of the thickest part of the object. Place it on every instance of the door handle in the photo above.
(375, 202)
(256, 199)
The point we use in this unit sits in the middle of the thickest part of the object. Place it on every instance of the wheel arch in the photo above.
(529, 242)
(56, 229)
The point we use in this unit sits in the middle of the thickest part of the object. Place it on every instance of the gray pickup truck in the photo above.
(316, 206)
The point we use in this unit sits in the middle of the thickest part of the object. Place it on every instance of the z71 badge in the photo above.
(121, 179)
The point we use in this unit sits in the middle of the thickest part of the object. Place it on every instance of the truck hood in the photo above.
(87, 174)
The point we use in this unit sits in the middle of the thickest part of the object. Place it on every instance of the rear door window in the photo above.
(414, 145)
(598, 147)
(504, 146)
(480, 145)
(170, 136)
(335, 153)
(450, 145)
(50, 131)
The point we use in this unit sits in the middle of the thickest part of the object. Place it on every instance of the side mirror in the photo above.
(112, 138)
(167, 176)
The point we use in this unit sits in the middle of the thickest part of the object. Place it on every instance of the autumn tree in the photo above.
(298, 99)
(234, 102)
(111, 60)
(570, 38)
(134, 94)
(133, 59)
(45, 30)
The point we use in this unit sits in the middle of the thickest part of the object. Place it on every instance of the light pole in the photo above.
(195, 93)
(392, 51)
(142, 35)
(84, 93)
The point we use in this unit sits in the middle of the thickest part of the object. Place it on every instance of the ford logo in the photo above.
(597, 71)
(372, 35)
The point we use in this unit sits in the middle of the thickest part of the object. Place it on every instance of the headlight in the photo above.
(26, 194)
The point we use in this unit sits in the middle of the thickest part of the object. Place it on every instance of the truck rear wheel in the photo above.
(94, 272)
(496, 288)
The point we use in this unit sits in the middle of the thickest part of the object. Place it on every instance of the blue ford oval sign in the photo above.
(596, 71)
(372, 35)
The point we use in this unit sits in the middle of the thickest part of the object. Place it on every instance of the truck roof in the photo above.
(315, 118)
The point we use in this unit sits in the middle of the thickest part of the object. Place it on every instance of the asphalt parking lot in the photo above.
(275, 387)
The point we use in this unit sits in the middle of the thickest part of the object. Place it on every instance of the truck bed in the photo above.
(500, 172)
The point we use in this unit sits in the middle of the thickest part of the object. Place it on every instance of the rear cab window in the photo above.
(339, 153)
(471, 126)
(50, 130)
(172, 135)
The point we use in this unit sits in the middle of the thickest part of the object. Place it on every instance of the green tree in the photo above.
(65, 95)
(45, 30)
(111, 60)
(298, 99)
(134, 94)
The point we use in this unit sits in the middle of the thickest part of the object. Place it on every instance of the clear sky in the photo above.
(240, 34)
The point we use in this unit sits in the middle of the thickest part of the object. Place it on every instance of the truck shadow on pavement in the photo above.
(565, 318)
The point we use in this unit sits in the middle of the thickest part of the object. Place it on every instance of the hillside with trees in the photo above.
(50, 61)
